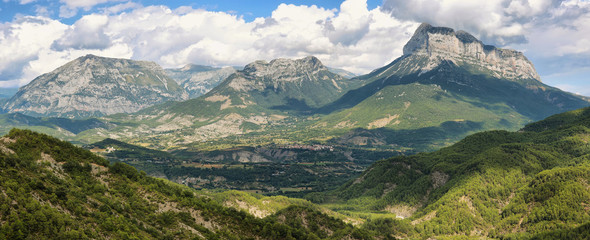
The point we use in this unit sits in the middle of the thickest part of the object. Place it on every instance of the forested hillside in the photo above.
(50, 189)
(498, 184)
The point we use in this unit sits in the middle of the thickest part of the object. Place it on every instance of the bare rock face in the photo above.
(284, 81)
(285, 69)
(280, 74)
(440, 43)
(94, 86)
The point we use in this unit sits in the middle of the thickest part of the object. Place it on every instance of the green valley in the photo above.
(295, 120)
(496, 184)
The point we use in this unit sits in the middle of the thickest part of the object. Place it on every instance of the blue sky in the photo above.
(37, 36)
(248, 9)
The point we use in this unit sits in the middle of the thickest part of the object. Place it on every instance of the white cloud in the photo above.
(554, 34)
(120, 7)
(22, 40)
(67, 12)
(42, 11)
(85, 4)
(352, 37)
(70, 7)
(86, 33)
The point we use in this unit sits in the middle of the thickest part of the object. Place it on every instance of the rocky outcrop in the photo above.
(285, 69)
(279, 73)
(440, 43)
(285, 83)
(94, 86)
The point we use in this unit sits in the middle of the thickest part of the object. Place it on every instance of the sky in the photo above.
(37, 36)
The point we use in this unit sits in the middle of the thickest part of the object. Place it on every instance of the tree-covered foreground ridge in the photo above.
(533, 183)
(50, 189)
(497, 184)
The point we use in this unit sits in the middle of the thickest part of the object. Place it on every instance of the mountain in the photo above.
(342, 72)
(198, 80)
(261, 96)
(495, 184)
(286, 84)
(50, 189)
(446, 85)
(7, 92)
(95, 86)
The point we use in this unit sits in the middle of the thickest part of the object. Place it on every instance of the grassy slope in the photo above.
(425, 104)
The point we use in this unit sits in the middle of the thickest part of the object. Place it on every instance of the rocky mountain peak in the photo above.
(93, 86)
(285, 83)
(442, 43)
(282, 67)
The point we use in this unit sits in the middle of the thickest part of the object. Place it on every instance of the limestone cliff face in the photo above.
(441, 43)
(94, 86)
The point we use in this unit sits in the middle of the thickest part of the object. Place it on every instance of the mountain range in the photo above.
(443, 142)
(446, 85)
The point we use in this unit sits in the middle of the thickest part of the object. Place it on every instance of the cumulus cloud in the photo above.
(554, 34)
(70, 7)
(501, 22)
(493, 20)
(352, 37)
(120, 8)
(86, 33)
(86, 4)
(22, 40)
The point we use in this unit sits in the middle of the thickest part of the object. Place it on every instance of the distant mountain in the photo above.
(7, 92)
(286, 84)
(198, 80)
(262, 95)
(95, 86)
(61, 127)
(446, 85)
(342, 72)
(495, 184)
